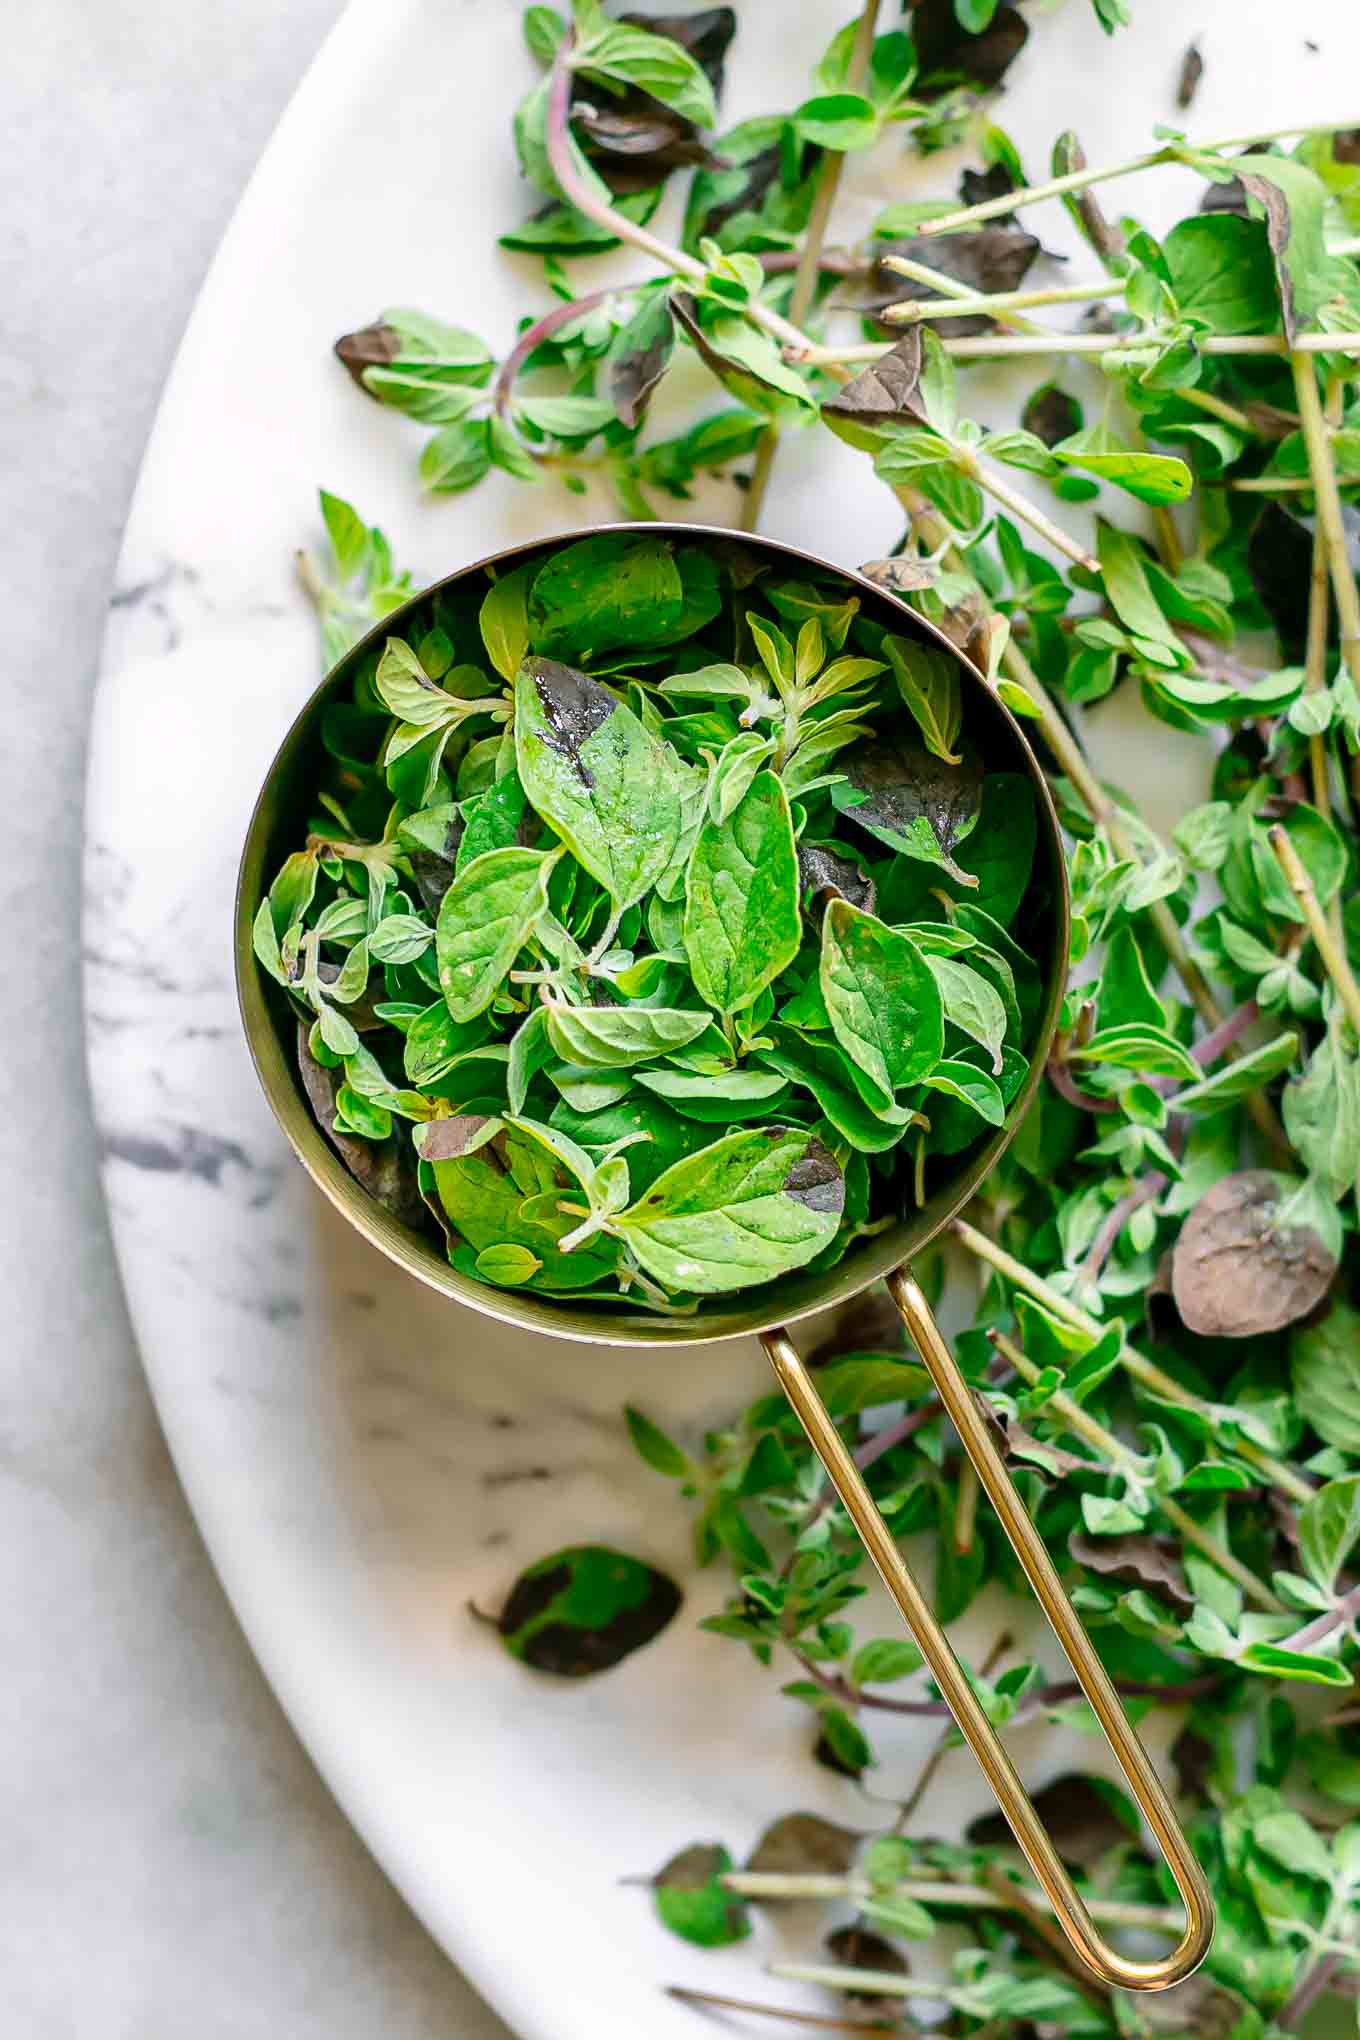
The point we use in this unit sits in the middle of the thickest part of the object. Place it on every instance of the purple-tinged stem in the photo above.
(1322, 1626)
(1066, 1085)
(1317, 1980)
(543, 329)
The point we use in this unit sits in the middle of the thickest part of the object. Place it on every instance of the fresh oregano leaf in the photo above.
(596, 776)
(742, 924)
(485, 918)
(750, 1207)
(881, 997)
(1250, 1258)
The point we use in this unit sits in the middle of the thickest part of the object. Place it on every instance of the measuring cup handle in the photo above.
(975, 1433)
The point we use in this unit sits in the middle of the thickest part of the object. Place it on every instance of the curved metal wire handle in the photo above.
(948, 1674)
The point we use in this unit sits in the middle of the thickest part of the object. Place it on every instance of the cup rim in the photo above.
(778, 1303)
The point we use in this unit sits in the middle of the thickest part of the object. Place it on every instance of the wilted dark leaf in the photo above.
(359, 1012)
(707, 35)
(1134, 1561)
(1279, 560)
(584, 1609)
(829, 876)
(1237, 1270)
(1192, 1756)
(1229, 197)
(902, 574)
(946, 51)
(433, 860)
(1051, 414)
(692, 1900)
(640, 358)
(370, 347)
(899, 791)
(385, 1168)
(1292, 201)
(1017, 1443)
(1085, 1817)
(764, 387)
(444, 1140)
(967, 624)
(1192, 70)
(992, 258)
(869, 1323)
(433, 876)
(634, 139)
(1106, 240)
(799, 1842)
(855, 1947)
(979, 187)
(750, 183)
(887, 392)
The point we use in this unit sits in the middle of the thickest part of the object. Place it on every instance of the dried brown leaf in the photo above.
(856, 1947)
(869, 1323)
(1237, 1271)
(1077, 1812)
(902, 574)
(947, 51)
(803, 1842)
(386, 1169)
(829, 876)
(992, 258)
(369, 347)
(1051, 414)
(1135, 1561)
(1192, 70)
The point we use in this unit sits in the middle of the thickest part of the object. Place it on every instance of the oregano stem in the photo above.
(1081, 180)
(543, 329)
(1315, 668)
(1125, 1462)
(1000, 1649)
(1106, 815)
(1323, 472)
(1029, 513)
(1154, 1378)
(1331, 951)
(1284, 485)
(989, 345)
(1103, 813)
(1218, 407)
(878, 1982)
(578, 192)
(928, 1891)
(686, 1994)
(809, 260)
(965, 1507)
(993, 305)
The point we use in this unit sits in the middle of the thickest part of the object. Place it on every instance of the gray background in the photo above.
(172, 1863)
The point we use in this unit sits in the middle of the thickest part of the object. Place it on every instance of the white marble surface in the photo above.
(172, 1863)
(342, 1436)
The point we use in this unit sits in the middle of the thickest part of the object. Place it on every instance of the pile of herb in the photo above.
(657, 932)
(1166, 1328)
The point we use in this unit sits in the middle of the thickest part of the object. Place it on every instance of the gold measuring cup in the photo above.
(769, 1311)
